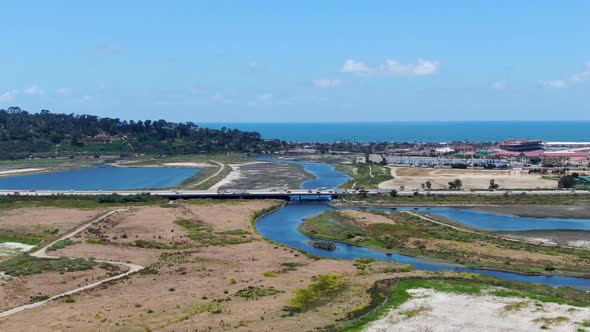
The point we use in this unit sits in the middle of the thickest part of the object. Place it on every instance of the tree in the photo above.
(457, 184)
(364, 193)
(428, 184)
(493, 185)
(393, 193)
(567, 181)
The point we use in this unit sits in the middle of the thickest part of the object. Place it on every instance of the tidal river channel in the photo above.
(282, 226)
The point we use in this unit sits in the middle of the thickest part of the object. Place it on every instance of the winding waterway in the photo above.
(325, 175)
(282, 226)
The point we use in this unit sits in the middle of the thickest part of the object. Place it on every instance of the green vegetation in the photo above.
(26, 265)
(96, 240)
(196, 309)
(361, 263)
(324, 245)
(61, 244)
(321, 290)
(412, 235)
(254, 293)
(474, 199)
(195, 182)
(204, 235)
(69, 299)
(390, 294)
(46, 134)
(30, 240)
(367, 176)
(80, 202)
(155, 245)
(573, 181)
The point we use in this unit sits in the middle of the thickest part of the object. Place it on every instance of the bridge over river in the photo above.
(307, 194)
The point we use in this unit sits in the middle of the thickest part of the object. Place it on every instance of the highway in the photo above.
(281, 194)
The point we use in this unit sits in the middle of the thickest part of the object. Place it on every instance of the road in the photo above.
(280, 193)
(221, 169)
(42, 253)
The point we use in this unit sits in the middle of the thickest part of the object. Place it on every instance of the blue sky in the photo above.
(304, 61)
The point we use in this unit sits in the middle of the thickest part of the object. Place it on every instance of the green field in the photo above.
(414, 236)
(473, 199)
(365, 175)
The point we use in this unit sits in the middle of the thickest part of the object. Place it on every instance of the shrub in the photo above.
(254, 293)
(324, 288)
(324, 245)
(61, 244)
(27, 265)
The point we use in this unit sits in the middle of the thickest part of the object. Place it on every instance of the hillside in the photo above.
(46, 134)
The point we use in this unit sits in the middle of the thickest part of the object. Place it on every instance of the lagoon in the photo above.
(100, 178)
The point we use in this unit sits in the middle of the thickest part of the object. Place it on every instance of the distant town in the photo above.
(510, 153)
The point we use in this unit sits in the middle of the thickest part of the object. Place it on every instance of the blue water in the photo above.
(501, 222)
(418, 131)
(100, 178)
(282, 226)
(325, 175)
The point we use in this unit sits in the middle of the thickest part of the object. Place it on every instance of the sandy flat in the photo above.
(188, 164)
(207, 277)
(22, 170)
(15, 291)
(413, 178)
(37, 221)
(367, 217)
(11, 248)
(434, 311)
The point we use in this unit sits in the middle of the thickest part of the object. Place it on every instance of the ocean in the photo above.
(561, 131)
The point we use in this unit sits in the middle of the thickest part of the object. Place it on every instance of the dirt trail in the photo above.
(507, 238)
(42, 253)
(221, 169)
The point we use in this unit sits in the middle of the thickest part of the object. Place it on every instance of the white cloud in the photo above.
(34, 90)
(63, 91)
(422, 67)
(578, 77)
(325, 83)
(556, 84)
(499, 85)
(8, 95)
(355, 67)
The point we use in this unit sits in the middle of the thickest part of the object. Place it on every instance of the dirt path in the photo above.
(438, 222)
(42, 253)
(371, 171)
(221, 169)
(507, 238)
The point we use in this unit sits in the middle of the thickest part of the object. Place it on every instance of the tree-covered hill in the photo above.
(45, 134)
